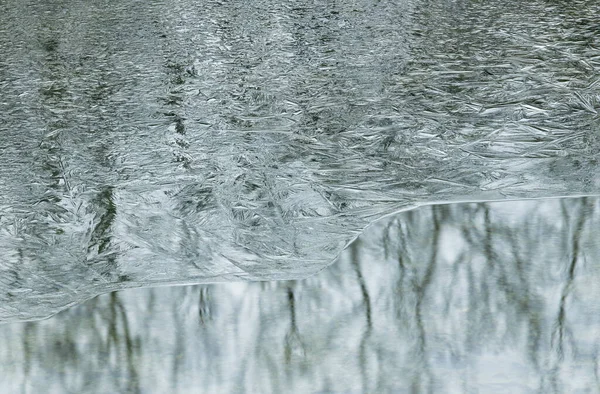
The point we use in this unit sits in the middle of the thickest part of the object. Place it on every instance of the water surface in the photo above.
(469, 298)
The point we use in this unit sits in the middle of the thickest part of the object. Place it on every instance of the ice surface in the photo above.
(173, 142)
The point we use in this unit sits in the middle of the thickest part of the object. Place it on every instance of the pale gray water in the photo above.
(179, 141)
(469, 298)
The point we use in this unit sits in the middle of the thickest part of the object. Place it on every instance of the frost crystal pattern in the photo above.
(172, 142)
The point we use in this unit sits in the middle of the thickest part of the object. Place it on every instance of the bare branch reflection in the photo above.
(451, 298)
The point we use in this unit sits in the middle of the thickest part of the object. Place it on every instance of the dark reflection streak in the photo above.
(421, 289)
(117, 311)
(367, 305)
(363, 287)
(112, 338)
(516, 291)
(134, 381)
(457, 264)
(479, 238)
(179, 350)
(293, 328)
(489, 250)
(562, 331)
(28, 339)
(565, 241)
(400, 288)
(293, 339)
(489, 257)
(525, 304)
(112, 341)
(204, 305)
(291, 303)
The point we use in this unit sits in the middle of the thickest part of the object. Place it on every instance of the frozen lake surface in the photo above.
(172, 142)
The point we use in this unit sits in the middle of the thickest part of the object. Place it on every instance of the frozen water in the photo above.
(172, 142)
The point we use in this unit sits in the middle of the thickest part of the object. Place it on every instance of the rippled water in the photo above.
(469, 298)
(157, 142)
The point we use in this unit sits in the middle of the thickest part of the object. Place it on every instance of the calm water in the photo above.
(182, 141)
(470, 298)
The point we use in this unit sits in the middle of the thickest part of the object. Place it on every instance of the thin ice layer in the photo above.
(172, 142)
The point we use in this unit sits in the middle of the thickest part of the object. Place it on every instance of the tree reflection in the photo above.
(434, 300)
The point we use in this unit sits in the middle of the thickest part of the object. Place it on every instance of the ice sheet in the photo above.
(172, 142)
